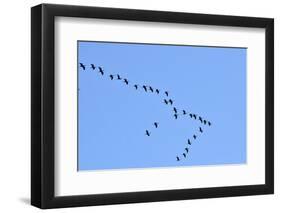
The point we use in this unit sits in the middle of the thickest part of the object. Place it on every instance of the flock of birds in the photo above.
(167, 101)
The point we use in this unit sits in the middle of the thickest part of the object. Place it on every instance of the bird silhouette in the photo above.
(145, 88)
(184, 155)
(126, 81)
(209, 123)
(111, 77)
(191, 116)
(184, 112)
(194, 116)
(156, 124)
(189, 142)
(147, 133)
(167, 93)
(200, 119)
(157, 91)
(93, 66)
(176, 116)
(83, 66)
(118, 77)
(186, 149)
(178, 159)
(171, 101)
(194, 136)
(150, 88)
(200, 129)
(165, 101)
(101, 71)
(205, 121)
(175, 110)
(136, 86)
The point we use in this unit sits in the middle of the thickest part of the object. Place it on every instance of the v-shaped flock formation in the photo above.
(167, 100)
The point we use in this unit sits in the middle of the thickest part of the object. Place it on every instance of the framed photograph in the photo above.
(139, 106)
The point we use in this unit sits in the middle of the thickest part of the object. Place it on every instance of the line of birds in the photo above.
(146, 88)
(167, 101)
(189, 143)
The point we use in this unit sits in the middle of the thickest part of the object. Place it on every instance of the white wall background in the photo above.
(15, 105)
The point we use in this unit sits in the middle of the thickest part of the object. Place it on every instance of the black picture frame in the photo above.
(43, 101)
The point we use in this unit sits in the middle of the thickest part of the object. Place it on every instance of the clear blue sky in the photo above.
(113, 116)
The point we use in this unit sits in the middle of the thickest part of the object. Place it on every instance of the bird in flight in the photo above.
(136, 86)
(189, 142)
(176, 116)
(101, 71)
(200, 119)
(205, 121)
(93, 66)
(111, 77)
(175, 110)
(194, 136)
(167, 93)
(209, 123)
(126, 81)
(83, 66)
(150, 88)
(165, 101)
(178, 159)
(186, 149)
(118, 77)
(144, 87)
(156, 124)
(184, 155)
(184, 112)
(147, 133)
(190, 115)
(200, 129)
(194, 116)
(157, 91)
(171, 101)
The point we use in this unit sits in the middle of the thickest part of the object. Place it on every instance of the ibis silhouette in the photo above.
(101, 71)
(171, 101)
(147, 133)
(83, 66)
(144, 87)
(126, 81)
(118, 77)
(93, 66)
(156, 124)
